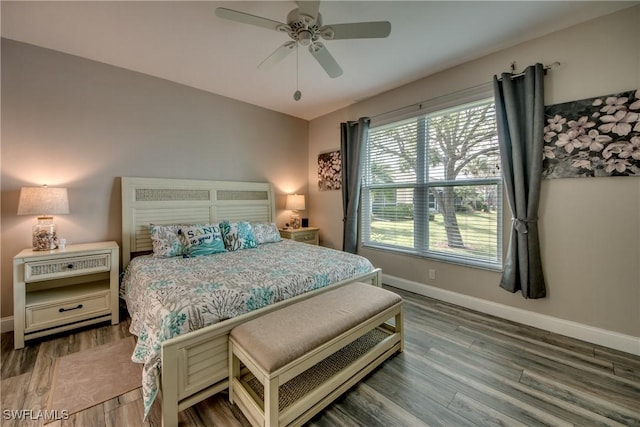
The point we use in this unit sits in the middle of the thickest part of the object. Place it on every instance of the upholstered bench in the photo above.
(288, 365)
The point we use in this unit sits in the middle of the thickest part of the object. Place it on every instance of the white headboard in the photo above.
(186, 201)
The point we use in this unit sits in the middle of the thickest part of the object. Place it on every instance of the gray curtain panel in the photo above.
(520, 116)
(354, 137)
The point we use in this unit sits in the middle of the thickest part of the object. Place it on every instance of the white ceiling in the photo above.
(186, 43)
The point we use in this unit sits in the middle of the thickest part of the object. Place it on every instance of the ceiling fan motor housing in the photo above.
(305, 29)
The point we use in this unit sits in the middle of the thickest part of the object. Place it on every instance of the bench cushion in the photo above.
(280, 337)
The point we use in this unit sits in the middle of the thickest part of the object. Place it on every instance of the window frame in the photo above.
(421, 209)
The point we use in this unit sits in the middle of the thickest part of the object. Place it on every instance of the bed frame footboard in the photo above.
(195, 365)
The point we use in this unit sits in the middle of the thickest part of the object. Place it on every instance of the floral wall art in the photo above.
(330, 171)
(593, 137)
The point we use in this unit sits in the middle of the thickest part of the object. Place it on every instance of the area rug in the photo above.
(90, 377)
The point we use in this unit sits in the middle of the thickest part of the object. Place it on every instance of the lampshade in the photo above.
(43, 201)
(295, 202)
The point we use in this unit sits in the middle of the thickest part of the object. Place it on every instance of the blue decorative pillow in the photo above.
(202, 239)
(166, 240)
(266, 232)
(238, 235)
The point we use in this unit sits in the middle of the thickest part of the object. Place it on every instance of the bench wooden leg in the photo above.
(234, 370)
(400, 327)
(271, 401)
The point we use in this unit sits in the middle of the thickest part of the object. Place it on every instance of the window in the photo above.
(432, 186)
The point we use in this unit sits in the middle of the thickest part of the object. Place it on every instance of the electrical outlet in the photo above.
(432, 274)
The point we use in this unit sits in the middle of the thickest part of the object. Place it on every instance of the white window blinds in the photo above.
(432, 186)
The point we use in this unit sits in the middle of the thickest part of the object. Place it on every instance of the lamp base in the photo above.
(44, 233)
(294, 221)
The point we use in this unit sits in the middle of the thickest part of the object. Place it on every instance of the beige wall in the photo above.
(590, 228)
(68, 121)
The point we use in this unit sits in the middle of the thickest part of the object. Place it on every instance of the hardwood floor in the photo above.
(459, 368)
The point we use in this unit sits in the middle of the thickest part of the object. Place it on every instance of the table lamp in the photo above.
(44, 202)
(295, 203)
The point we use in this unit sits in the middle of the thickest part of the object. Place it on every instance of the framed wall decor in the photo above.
(593, 137)
(330, 171)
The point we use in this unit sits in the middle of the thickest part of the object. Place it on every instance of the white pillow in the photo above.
(266, 232)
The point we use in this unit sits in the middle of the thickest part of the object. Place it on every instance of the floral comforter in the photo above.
(171, 296)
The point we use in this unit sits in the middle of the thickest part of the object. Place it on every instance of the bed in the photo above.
(183, 341)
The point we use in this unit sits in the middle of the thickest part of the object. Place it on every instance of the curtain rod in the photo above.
(419, 104)
(545, 68)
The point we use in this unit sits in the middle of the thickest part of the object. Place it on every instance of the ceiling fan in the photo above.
(304, 26)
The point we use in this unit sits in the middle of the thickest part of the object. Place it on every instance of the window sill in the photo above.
(435, 257)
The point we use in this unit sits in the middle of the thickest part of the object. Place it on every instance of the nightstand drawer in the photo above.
(65, 306)
(307, 237)
(67, 267)
(304, 235)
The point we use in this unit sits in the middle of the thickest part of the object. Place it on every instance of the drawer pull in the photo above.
(62, 310)
(70, 266)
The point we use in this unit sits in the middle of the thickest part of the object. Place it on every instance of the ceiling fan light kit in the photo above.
(304, 27)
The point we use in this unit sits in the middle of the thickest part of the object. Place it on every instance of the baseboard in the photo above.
(614, 340)
(6, 324)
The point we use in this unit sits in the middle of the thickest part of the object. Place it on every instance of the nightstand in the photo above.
(304, 234)
(62, 289)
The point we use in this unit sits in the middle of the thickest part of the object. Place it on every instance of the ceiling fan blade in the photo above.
(309, 8)
(246, 18)
(356, 30)
(278, 55)
(325, 59)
